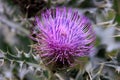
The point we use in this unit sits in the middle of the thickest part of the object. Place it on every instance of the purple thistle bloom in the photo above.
(63, 35)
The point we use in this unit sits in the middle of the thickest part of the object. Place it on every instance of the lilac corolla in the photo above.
(63, 35)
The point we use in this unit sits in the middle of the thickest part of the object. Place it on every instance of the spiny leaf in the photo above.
(21, 57)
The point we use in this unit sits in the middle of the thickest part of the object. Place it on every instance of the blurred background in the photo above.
(19, 62)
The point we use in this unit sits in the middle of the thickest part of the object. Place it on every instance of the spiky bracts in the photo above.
(63, 35)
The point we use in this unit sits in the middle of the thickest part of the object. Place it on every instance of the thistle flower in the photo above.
(62, 36)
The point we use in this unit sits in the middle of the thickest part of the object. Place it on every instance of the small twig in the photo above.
(116, 35)
(1, 62)
(11, 24)
(90, 76)
(100, 70)
(109, 23)
(59, 76)
(117, 28)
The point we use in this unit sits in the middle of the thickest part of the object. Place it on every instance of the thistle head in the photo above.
(62, 36)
